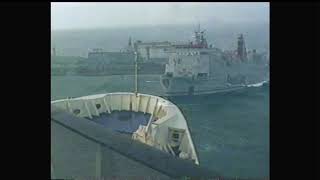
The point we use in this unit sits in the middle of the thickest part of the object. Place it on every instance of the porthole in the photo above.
(175, 135)
(98, 106)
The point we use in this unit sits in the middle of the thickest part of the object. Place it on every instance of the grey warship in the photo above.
(187, 68)
(195, 68)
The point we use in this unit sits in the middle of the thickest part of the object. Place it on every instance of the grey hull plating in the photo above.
(223, 77)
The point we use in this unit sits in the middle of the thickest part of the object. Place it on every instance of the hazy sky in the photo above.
(107, 15)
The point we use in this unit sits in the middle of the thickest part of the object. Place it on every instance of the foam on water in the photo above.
(257, 84)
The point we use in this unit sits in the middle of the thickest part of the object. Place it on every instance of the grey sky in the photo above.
(109, 15)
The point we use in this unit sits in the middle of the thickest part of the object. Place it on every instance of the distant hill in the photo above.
(77, 42)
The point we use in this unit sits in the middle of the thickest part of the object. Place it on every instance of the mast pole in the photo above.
(136, 73)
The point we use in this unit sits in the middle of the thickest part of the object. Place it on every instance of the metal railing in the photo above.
(145, 155)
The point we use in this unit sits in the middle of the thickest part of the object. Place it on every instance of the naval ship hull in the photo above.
(222, 78)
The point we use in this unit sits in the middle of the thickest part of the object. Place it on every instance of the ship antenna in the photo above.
(54, 51)
(136, 72)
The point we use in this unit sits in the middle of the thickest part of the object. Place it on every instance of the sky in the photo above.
(85, 15)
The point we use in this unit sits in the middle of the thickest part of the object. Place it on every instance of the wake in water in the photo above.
(258, 84)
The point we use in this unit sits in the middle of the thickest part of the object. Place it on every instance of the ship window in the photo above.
(202, 74)
(76, 111)
(98, 106)
(179, 61)
(175, 136)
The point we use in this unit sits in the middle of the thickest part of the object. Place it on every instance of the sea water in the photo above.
(230, 130)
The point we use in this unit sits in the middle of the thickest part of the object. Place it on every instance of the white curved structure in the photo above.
(166, 127)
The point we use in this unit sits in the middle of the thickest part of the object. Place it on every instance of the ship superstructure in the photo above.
(196, 68)
(189, 68)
